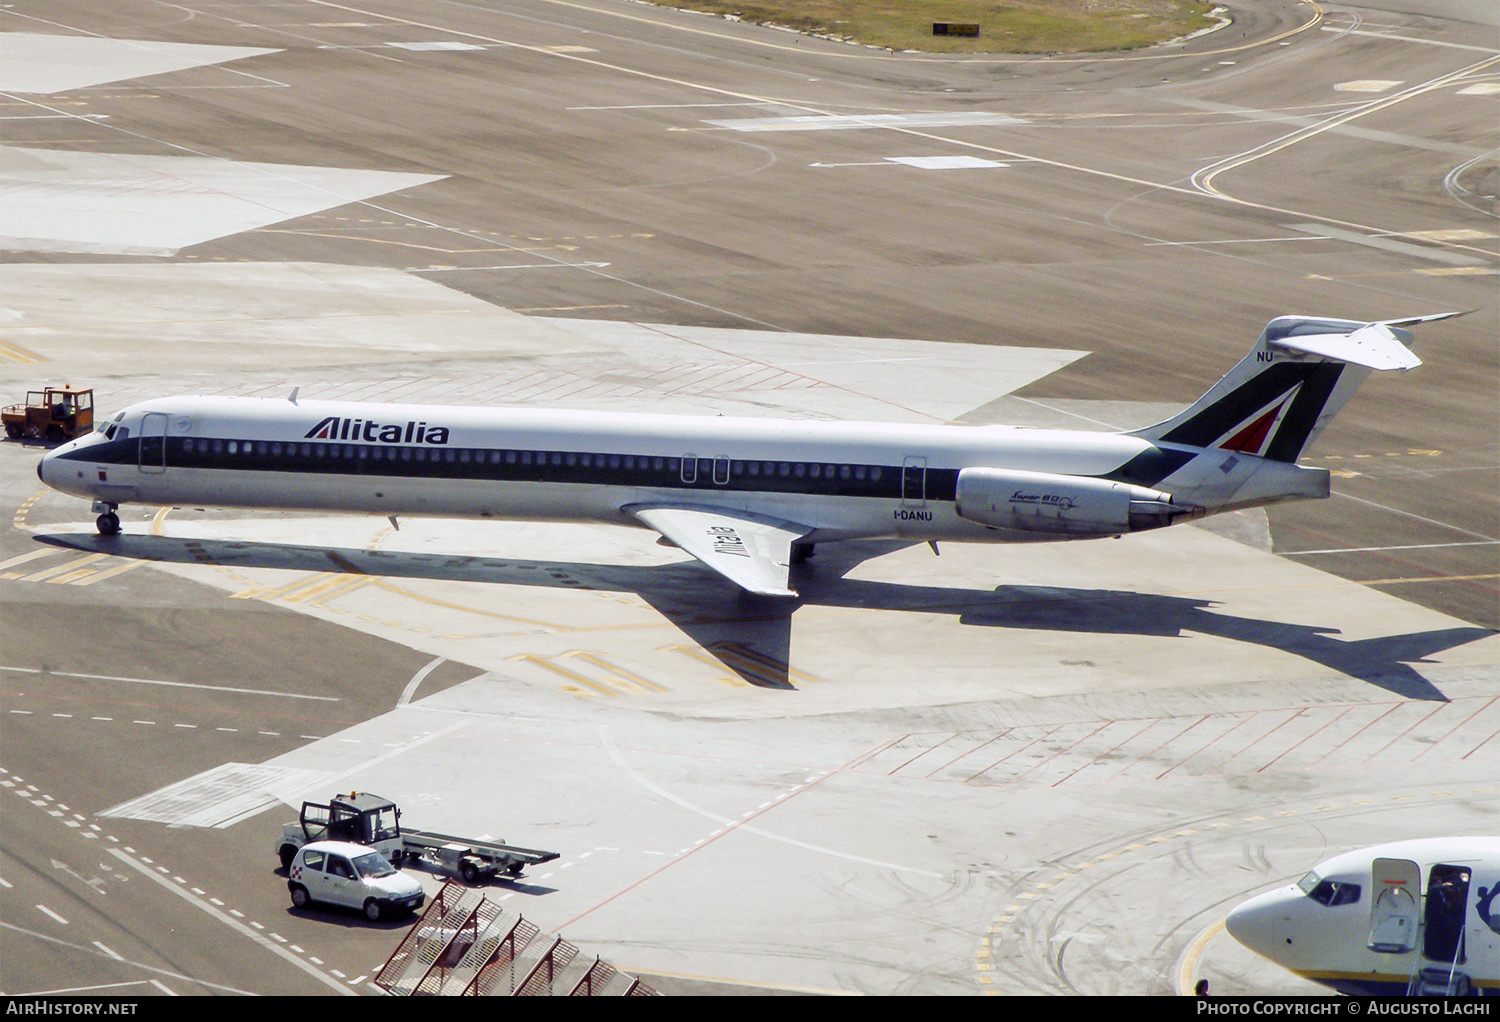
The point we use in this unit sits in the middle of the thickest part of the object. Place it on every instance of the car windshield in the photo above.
(372, 864)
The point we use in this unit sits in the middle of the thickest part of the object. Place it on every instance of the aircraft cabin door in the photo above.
(914, 482)
(1482, 939)
(1443, 923)
(153, 449)
(1394, 887)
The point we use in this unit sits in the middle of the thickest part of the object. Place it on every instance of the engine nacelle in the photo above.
(1074, 505)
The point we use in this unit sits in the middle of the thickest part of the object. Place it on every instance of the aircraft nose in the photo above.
(1261, 925)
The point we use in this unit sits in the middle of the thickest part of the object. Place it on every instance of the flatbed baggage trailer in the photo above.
(471, 860)
(373, 821)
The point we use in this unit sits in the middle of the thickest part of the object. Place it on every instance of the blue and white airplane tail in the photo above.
(1250, 428)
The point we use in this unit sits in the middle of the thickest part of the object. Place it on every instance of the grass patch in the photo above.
(1017, 26)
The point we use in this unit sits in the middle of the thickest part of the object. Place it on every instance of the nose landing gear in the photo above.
(108, 523)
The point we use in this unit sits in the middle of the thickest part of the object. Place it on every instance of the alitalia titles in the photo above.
(338, 428)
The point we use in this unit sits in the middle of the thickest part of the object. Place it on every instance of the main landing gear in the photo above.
(107, 523)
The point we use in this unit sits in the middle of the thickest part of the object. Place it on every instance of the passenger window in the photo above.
(313, 860)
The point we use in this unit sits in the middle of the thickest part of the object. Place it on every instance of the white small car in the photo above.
(351, 875)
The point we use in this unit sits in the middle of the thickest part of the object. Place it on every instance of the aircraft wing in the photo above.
(752, 551)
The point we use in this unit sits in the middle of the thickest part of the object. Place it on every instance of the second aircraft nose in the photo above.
(1260, 925)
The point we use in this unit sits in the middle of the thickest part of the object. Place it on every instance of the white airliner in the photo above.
(747, 497)
(1412, 917)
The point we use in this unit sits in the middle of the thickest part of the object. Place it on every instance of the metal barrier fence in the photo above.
(466, 945)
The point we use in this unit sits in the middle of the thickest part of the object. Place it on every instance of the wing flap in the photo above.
(752, 551)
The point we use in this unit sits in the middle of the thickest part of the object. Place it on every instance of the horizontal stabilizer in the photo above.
(1414, 320)
(752, 551)
(1374, 347)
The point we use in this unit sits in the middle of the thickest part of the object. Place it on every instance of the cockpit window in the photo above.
(1334, 892)
(1307, 883)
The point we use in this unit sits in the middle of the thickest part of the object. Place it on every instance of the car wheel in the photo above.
(300, 896)
(288, 853)
(372, 910)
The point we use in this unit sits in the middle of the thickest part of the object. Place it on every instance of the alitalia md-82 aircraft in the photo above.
(748, 497)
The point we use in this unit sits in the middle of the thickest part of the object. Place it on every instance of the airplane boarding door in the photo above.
(1443, 918)
(1394, 887)
(1482, 938)
(153, 449)
(914, 482)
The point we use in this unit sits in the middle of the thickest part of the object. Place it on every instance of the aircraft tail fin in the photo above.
(1298, 376)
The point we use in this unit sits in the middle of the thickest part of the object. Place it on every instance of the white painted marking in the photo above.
(1382, 549)
(848, 122)
(1406, 39)
(62, 201)
(945, 162)
(169, 684)
(1453, 233)
(1233, 241)
(38, 63)
(663, 106)
(52, 915)
(1480, 89)
(417, 679)
(218, 797)
(434, 46)
(1366, 85)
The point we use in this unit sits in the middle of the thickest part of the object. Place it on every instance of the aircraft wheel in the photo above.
(108, 523)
